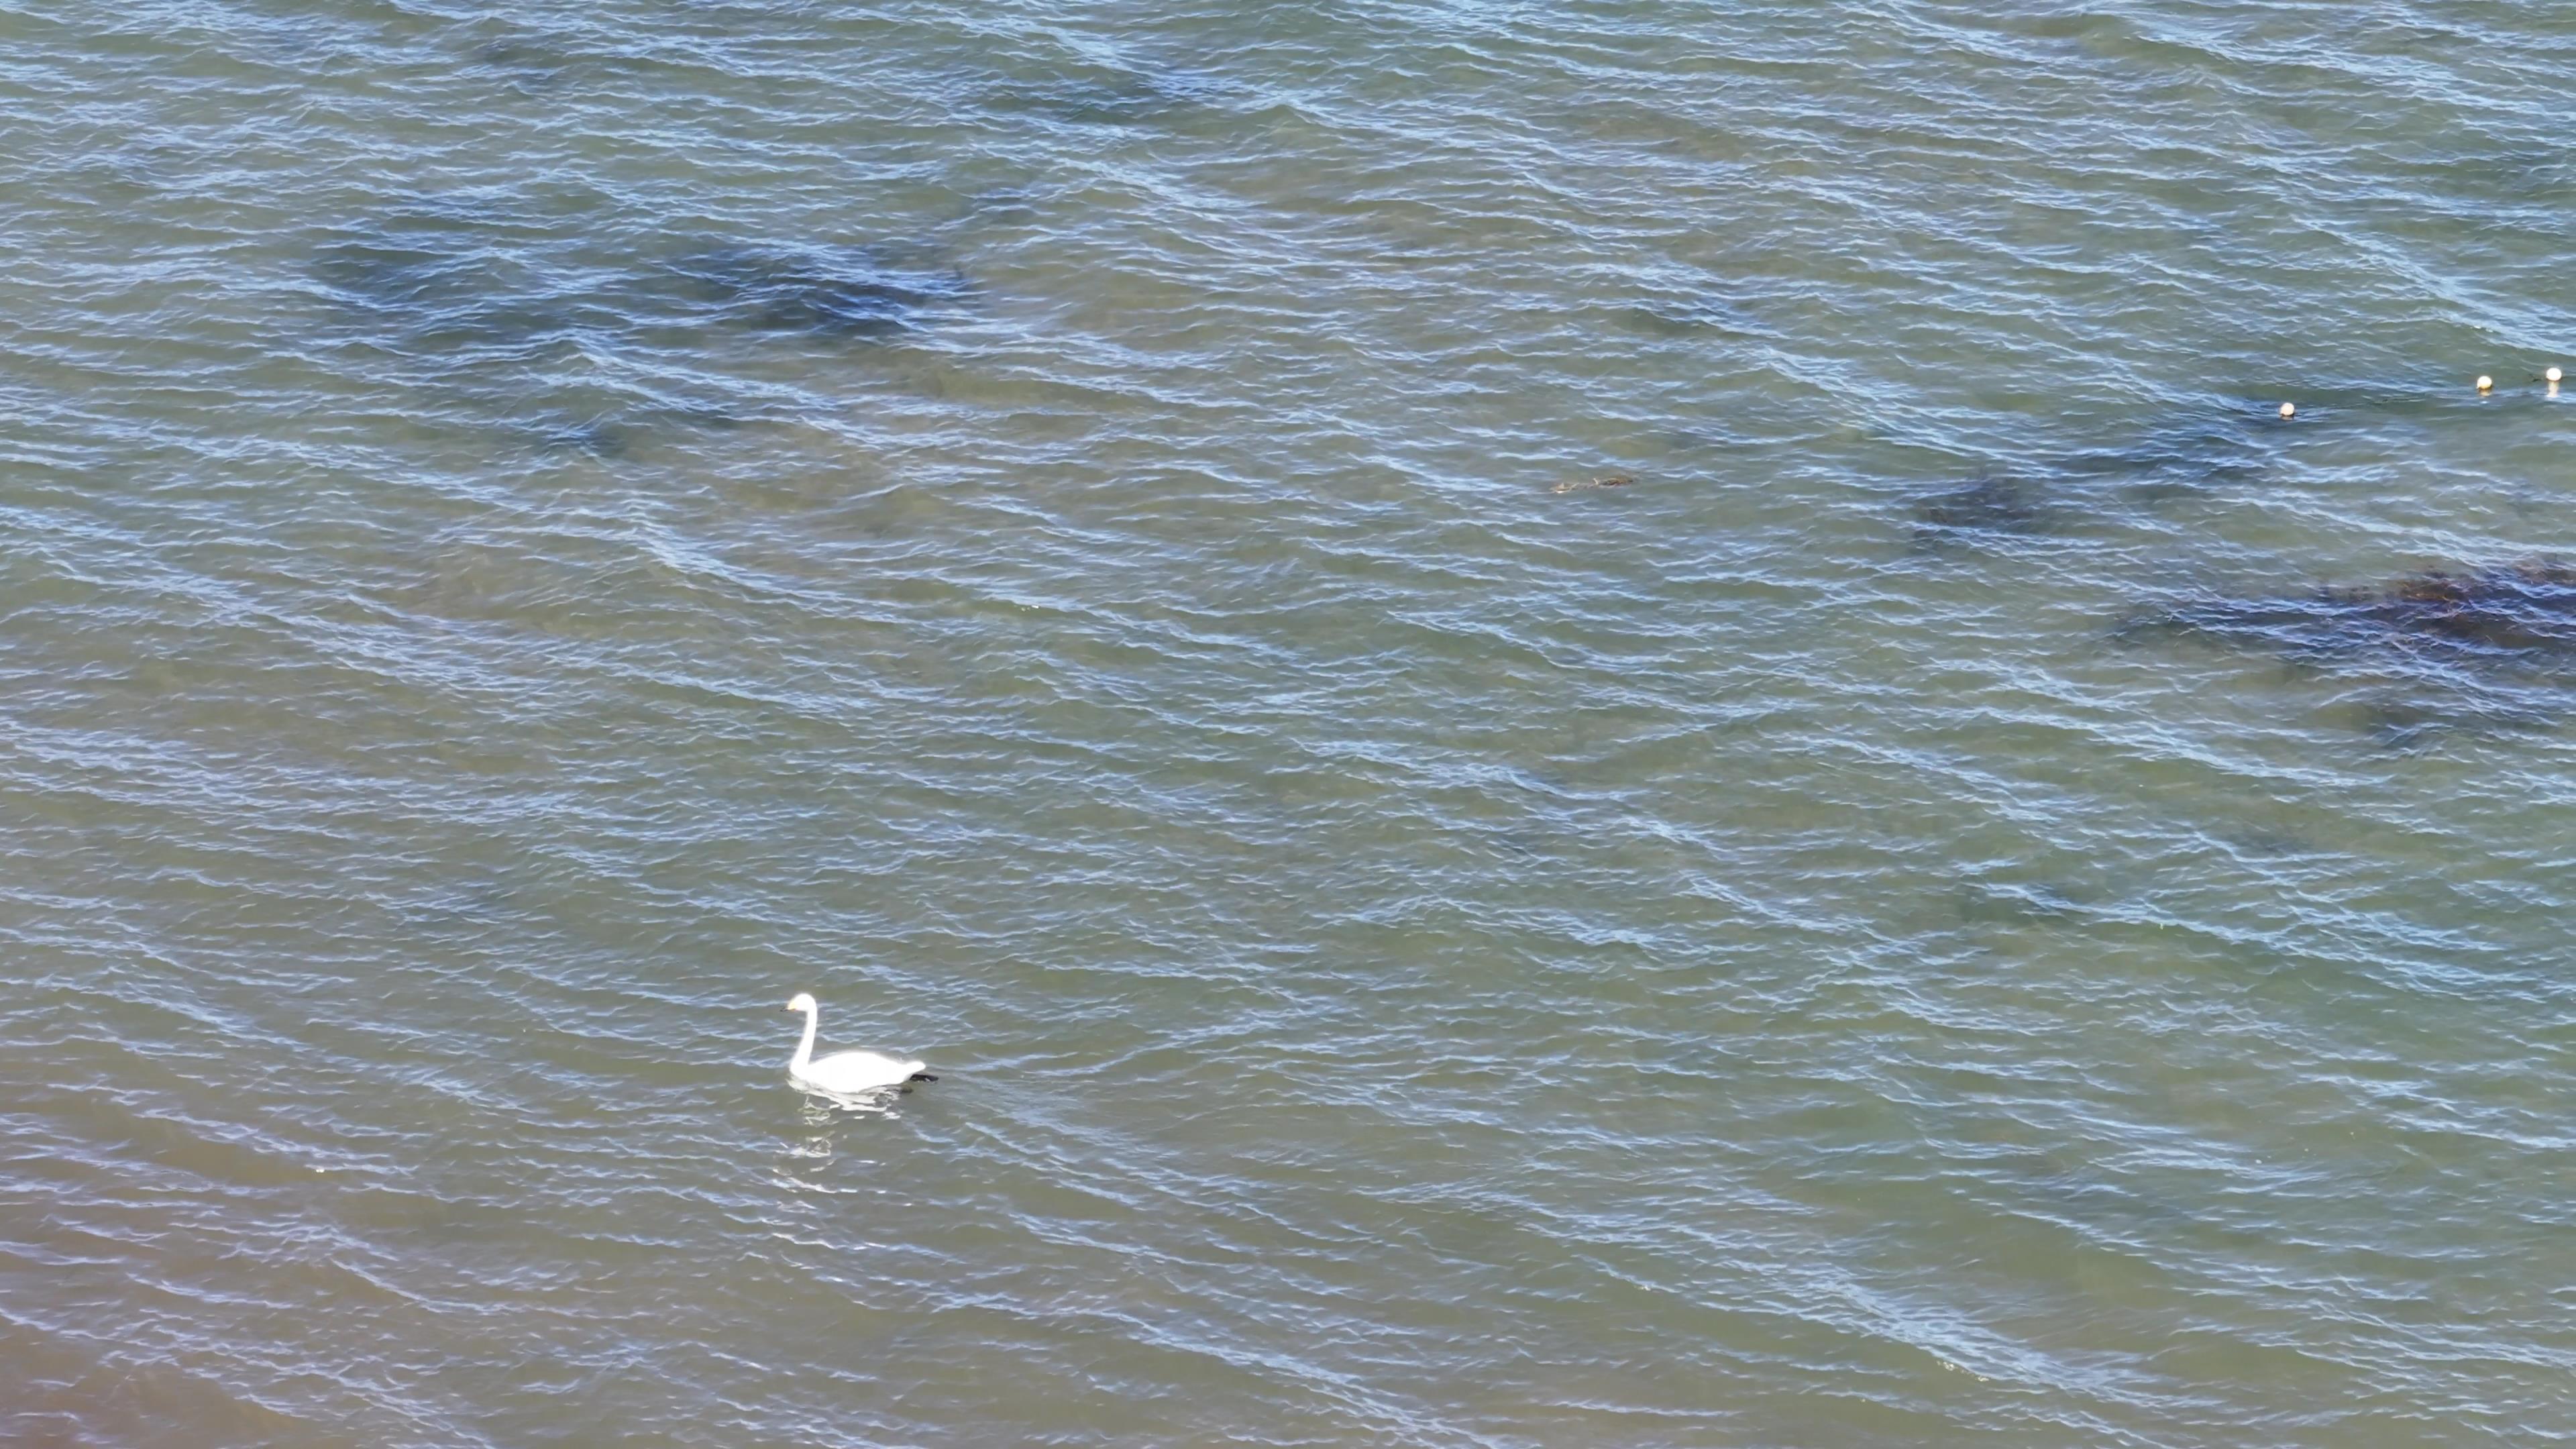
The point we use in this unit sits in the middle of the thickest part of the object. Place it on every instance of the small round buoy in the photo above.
(2553, 374)
(2485, 383)
(2289, 410)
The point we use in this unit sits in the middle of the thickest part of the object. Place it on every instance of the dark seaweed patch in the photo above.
(1665, 321)
(2440, 651)
(1115, 98)
(2412, 721)
(2007, 506)
(524, 63)
(1993, 903)
(700, 415)
(2503, 613)
(2034, 493)
(2268, 844)
(2400, 724)
(483, 320)
(599, 438)
(2179, 460)
(835, 293)
(521, 328)
(444, 292)
(431, 285)
(449, 306)
(2214, 463)
(386, 275)
(1701, 317)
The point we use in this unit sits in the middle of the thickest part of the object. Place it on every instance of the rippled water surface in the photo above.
(1990, 894)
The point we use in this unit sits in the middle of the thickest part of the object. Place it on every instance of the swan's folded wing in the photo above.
(855, 1070)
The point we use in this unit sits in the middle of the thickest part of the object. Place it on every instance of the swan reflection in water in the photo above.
(811, 1150)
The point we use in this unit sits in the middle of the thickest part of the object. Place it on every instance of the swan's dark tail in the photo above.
(921, 1077)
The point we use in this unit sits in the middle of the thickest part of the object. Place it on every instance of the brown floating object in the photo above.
(1597, 480)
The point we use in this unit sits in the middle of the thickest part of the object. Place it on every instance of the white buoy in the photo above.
(2485, 383)
(2289, 410)
(2553, 374)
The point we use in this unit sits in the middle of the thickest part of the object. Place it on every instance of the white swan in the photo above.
(845, 1072)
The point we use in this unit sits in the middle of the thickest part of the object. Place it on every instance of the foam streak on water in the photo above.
(1990, 896)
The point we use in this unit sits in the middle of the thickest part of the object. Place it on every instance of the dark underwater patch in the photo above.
(614, 428)
(1997, 903)
(443, 285)
(431, 284)
(1706, 316)
(381, 273)
(2179, 461)
(1992, 506)
(2034, 493)
(522, 62)
(2481, 651)
(2516, 612)
(485, 317)
(599, 438)
(833, 293)
(1105, 98)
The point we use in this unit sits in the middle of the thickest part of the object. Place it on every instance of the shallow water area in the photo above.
(1977, 895)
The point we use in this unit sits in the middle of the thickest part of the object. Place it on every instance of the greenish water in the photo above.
(1960, 907)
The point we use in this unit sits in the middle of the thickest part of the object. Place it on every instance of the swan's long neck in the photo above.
(805, 1047)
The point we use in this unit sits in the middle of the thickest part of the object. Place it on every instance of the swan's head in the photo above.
(801, 1002)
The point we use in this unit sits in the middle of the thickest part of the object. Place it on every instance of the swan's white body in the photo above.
(842, 1072)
